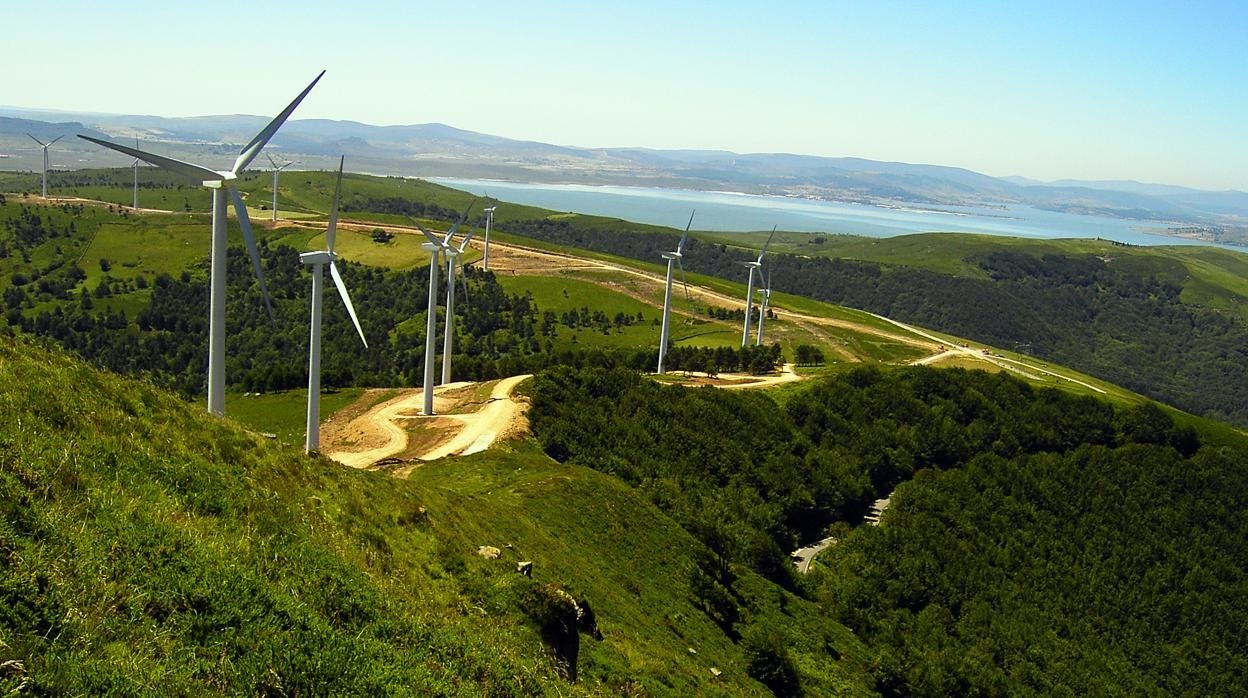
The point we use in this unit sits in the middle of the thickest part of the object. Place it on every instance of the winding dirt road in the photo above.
(387, 429)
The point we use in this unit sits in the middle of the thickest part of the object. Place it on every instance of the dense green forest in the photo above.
(1118, 319)
(1039, 542)
(497, 334)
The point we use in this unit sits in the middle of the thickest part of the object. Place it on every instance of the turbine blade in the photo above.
(683, 280)
(41, 143)
(430, 236)
(683, 238)
(333, 210)
(767, 244)
(249, 237)
(271, 161)
(346, 300)
(253, 148)
(464, 245)
(188, 169)
(56, 139)
(451, 233)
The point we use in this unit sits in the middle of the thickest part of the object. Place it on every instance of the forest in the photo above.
(1116, 320)
(1037, 543)
(497, 334)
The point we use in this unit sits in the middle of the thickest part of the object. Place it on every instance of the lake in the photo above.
(731, 212)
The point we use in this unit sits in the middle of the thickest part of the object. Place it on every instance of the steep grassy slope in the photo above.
(150, 548)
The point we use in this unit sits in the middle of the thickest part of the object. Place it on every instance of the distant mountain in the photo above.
(443, 150)
(44, 131)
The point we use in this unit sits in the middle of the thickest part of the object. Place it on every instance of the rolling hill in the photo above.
(442, 150)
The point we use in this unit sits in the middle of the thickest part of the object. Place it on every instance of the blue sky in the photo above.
(1141, 90)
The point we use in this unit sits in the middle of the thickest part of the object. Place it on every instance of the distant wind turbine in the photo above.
(434, 247)
(489, 218)
(318, 260)
(277, 169)
(135, 165)
(454, 256)
(667, 294)
(749, 288)
(223, 185)
(762, 310)
(45, 147)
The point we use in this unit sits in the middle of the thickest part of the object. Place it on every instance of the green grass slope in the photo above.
(150, 548)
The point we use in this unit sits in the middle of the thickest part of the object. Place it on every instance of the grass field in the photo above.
(284, 414)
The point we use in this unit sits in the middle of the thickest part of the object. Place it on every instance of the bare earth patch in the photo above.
(467, 419)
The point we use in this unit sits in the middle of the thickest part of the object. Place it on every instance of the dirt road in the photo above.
(740, 381)
(1008, 364)
(528, 261)
(396, 427)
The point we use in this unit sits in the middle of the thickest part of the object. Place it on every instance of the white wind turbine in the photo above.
(667, 295)
(749, 288)
(223, 185)
(454, 255)
(135, 204)
(489, 218)
(277, 169)
(434, 247)
(318, 260)
(762, 309)
(45, 147)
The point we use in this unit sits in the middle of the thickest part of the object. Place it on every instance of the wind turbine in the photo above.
(749, 288)
(667, 294)
(318, 260)
(45, 147)
(434, 247)
(223, 185)
(277, 169)
(489, 218)
(762, 310)
(454, 255)
(135, 165)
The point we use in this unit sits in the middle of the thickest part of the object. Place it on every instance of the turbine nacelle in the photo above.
(228, 179)
(318, 257)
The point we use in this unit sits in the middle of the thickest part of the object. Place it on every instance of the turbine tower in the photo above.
(667, 294)
(434, 247)
(45, 147)
(224, 186)
(277, 169)
(489, 218)
(749, 288)
(135, 165)
(762, 310)
(317, 260)
(454, 255)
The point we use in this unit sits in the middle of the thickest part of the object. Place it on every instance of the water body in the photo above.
(731, 212)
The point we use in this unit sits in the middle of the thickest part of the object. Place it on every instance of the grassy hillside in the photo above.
(151, 548)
